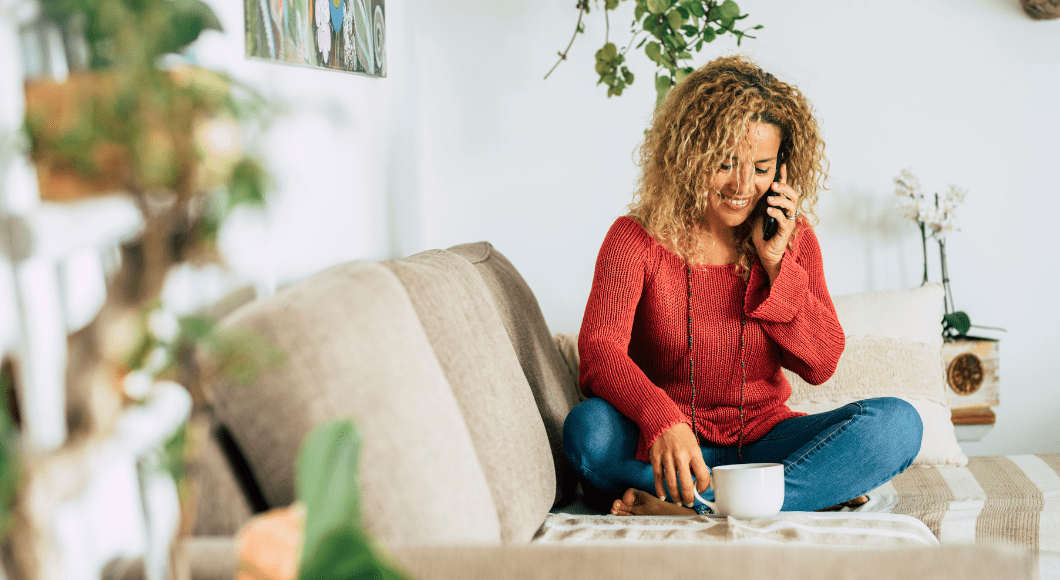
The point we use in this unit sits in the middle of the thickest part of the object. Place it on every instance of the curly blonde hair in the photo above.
(697, 128)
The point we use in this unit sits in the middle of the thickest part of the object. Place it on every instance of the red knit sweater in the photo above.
(634, 337)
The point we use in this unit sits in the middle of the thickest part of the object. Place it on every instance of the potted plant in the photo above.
(669, 31)
(170, 137)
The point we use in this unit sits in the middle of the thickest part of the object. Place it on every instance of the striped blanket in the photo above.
(1011, 500)
(877, 530)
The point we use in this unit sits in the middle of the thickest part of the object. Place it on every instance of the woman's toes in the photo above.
(632, 498)
(857, 501)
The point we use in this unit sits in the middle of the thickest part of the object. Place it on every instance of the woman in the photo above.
(693, 313)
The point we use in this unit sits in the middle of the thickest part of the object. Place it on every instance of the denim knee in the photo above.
(903, 426)
(584, 441)
(594, 437)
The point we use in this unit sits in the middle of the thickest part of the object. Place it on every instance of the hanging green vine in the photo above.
(669, 31)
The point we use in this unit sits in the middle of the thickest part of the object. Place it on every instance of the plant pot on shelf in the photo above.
(97, 132)
(70, 163)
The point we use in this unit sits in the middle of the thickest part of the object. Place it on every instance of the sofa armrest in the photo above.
(622, 561)
(214, 558)
(199, 558)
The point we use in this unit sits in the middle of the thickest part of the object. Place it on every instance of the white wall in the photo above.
(332, 150)
(464, 141)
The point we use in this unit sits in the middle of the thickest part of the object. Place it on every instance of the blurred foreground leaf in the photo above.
(336, 546)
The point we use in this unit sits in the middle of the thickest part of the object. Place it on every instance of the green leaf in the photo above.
(610, 51)
(335, 546)
(246, 186)
(601, 67)
(185, 22)
(326, 483)
(697, 9)
(611, 4)
(661, 90)
(653, 50)
(730, 10)
(659, 6)
(690, 31)
(344, 555)
(681, 74)
(958, 321)
(340, 554)
(675, 20)
(10, 464)
(709, 35)
(684, 55)
(638, 12)
(683, 12)
(628, 75)
(197, 328)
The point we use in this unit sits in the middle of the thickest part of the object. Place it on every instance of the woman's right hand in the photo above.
(675, 456)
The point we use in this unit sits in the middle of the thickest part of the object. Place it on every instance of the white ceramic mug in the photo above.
(747, 491)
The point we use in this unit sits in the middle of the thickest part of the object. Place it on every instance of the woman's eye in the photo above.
(761, 171)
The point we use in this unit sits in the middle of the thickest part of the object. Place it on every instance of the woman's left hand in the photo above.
(784, 202)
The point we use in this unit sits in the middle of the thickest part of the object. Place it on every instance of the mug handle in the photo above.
(713, 506)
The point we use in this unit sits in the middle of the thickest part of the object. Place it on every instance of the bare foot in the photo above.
(639, 503)
(856, 502)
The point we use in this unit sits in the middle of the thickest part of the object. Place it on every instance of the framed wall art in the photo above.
(346, 35)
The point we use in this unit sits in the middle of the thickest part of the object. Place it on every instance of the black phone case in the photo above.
(769, 223)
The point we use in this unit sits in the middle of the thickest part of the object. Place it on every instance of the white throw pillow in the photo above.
(894, 348)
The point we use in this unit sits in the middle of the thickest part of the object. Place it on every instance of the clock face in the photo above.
(965, 374)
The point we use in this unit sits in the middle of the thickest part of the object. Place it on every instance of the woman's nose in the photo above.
(742, 180)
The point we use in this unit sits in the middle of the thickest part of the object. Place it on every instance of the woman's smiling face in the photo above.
(742, 180)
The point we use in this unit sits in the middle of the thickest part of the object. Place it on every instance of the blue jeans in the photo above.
(828, 458)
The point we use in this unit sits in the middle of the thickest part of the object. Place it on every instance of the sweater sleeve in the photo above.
(606, 369)
(797, 311)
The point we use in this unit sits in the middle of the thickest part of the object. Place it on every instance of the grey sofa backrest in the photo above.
(458, 325)
(555, 387)
(354, 347)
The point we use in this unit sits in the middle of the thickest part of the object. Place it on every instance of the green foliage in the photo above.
(150, 115)
(10, 465)
(242, 353)
(674, 31)
(335, 546)
(150, 27)
(956, 324)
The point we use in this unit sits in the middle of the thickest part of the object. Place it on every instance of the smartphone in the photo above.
(769, 223)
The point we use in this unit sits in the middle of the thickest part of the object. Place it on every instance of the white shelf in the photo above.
(971, 432)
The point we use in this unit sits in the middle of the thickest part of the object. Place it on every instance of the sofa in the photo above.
(444, 361)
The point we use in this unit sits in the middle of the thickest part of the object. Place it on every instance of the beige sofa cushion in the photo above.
(555, 387)
(471, 344)
(355, 348)
(639, 560)
(221, 505)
